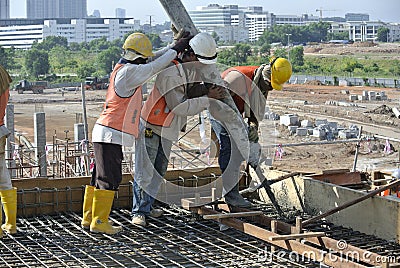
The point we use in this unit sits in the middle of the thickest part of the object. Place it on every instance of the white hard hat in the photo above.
(204, 48)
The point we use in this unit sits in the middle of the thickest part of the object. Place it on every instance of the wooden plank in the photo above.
(335, 171)
(343, 179)
(232, 215)
(296, 236)
(188, 203)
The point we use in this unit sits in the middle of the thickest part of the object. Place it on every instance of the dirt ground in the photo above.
(376, 50)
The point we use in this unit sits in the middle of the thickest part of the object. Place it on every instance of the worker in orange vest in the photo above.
(118, 124)
(8, 193)
(164, 114)
(249, 86)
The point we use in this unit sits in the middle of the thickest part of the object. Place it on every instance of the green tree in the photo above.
(382, 34)
(37, 62)
(99, 44)
(314, 32)
(241, 52)
(338, 36)
(280, 52)
(107, 59)
(86, 69)
(51, 42)
(265, 49)
(155, 40)
(297, 56)
(7, 57)
(395, 69)
(350, 65)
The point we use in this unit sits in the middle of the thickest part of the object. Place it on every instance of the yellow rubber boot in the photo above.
(87, 206)
(102, 203)
(1, 219)
(9, 200)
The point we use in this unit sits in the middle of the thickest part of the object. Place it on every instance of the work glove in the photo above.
(253, 132)
(179, 34)
(182, 44)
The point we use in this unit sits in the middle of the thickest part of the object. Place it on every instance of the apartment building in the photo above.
(21, 33)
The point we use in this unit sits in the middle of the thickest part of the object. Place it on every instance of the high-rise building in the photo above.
(232, 22)
(53, 9)
(120, 13)
(4, 9)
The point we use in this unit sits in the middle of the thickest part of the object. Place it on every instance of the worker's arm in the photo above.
(176, 99)
(131, 76)
(160, 52)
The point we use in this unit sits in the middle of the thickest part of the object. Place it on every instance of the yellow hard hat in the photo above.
(281, 71)
(140, 44)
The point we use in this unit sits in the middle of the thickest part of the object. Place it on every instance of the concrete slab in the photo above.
(375, 216)
(379, 216)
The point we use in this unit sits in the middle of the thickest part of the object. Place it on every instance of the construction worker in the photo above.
(249, 86)
(164, 114)
(118, 124)
(8, 193)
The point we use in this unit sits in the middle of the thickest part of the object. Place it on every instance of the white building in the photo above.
(361, 31)
(75, 30)
(232, 21)
(257, 23)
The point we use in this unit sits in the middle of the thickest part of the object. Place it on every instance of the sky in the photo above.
(384, 10)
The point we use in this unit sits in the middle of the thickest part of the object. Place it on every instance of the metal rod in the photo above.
(309, 143)
(357, 149)
(85, 130)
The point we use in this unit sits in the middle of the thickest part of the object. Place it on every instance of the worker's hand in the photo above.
(182, 44)
(174, 30)
(216, 92)
(179, 34)
(196, 90)
(253, 132)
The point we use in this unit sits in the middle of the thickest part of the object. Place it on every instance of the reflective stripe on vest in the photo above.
(155, 110)
(121, 113)
(248, 71)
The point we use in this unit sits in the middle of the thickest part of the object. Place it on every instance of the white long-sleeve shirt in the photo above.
(127, 79)
(171, 84)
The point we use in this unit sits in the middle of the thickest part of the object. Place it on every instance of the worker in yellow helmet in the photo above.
(118, 124)
(7, 192)
(249, 86)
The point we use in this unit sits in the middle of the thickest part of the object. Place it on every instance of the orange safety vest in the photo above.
(247, 71)
(155, 110)
(121, 113)
(3, 105)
